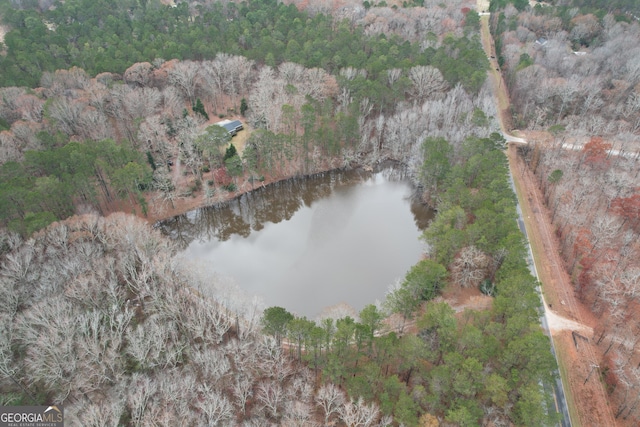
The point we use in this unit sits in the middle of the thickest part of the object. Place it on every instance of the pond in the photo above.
(342, 237)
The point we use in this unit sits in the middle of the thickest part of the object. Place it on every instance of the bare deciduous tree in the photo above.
(427, 81)
(630, 280)
(9, 148)
(154, 344)
(139, 74)
(213, 363)
(298, 414)
(184, 76)
(152, 135)
(66, 114)
(106, 413)
(242, 391)
(359, 413)
(9, 110)
(215, 406)
(470, 267)
(271, 395)
(51, 358)
(319, 84)
(291, 72)
(31, 107)
(140, 393)
(330, 398)
(393, 75)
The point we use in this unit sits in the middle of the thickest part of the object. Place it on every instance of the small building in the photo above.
(232, 126)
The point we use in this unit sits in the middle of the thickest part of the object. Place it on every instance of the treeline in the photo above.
(475, 368)
(109, 36)
(49, 184)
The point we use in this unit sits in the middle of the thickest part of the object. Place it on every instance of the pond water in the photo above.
(308, 244)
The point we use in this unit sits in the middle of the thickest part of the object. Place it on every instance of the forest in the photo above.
(111, 106)
(104, 36)
(572, 70)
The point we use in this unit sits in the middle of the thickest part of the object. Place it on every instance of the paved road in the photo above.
(558, 387)
(559, 394)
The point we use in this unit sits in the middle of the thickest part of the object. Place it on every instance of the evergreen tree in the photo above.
(230, 152)
(151, 161)
(199, 108)
(243, 106)
(275, 321)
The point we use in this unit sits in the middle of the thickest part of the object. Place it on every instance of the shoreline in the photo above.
(184, 205)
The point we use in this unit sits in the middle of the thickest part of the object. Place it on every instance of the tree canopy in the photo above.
(109, 36)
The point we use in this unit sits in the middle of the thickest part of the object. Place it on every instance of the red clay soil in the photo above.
(586, 395)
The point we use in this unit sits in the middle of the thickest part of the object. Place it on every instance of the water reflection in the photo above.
(305, 244)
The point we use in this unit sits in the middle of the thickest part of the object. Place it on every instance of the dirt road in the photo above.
(585, 393)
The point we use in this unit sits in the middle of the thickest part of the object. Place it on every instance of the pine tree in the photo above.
(199, 108)
(230, 152)
(243, 106)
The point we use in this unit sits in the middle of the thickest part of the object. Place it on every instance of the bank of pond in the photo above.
(339, 237)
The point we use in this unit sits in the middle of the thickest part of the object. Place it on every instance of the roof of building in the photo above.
(231, 126)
